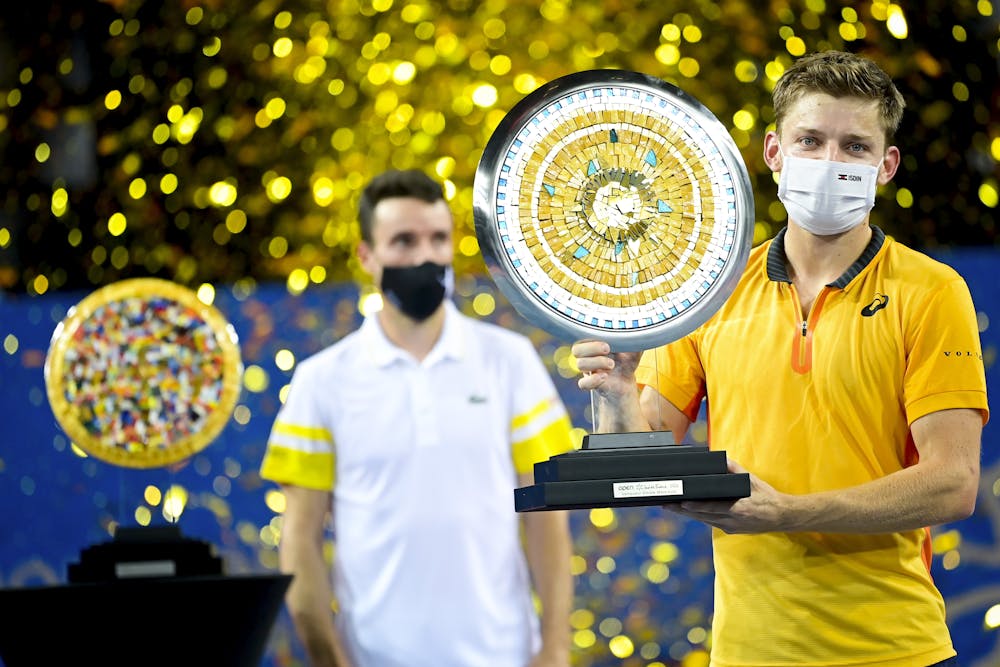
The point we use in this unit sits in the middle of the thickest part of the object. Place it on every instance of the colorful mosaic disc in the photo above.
(142, 374)
(610, 204)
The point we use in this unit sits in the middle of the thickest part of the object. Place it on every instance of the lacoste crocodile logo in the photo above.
(878, 303)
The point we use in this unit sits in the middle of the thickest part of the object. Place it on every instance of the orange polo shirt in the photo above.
(819, 405)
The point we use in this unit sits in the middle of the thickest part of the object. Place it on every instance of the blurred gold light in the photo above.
(116, 224)
(584, 638)
(323, 191)
(298, 281)
(222, 193)
(275, 501)
(689, 67)
(152, 495)
(60, 202)
(896, 21)
(988, 194)
(484, 95)
(484, 304)
(113, 99)
(581, 618)
(255, 379)
(602, 517)
(282, 47)
(284, 359)
(697, 635)
(161, 133)
(369, 304)
(143, 516)
(174, 502)
(743, 119)
(992, 617)
(469, 246)
(275, 108)
(137, 188)
(213, 47)
(404, 72)
(605, 564)
(656, 573)
(609, 627)
(621, 646)
(745, 71)
(206, 293)
(691, 33)
(668, 54)
(42, 152)
(278, 189)
(168, 183)
(664, 552)
(670, 32)
(795, 46)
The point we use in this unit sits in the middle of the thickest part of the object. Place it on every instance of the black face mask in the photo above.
(416, 290)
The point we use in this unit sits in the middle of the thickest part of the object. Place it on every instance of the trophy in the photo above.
(143, 374)
(612, 205)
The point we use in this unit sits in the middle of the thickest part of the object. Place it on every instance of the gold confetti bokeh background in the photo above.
(223, 142)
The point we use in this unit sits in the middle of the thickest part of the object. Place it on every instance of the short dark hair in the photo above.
(395, 183)
(839, 74)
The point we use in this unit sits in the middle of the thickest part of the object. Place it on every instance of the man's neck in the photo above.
(822, 259)
(416, 338)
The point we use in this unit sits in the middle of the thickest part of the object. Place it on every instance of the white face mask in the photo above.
(825, 197)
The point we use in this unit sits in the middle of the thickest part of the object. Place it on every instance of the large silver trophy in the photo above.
(613, 205)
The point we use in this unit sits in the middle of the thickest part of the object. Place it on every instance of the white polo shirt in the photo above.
(422, 458)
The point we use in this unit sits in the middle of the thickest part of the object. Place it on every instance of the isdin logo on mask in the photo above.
(826, 197)
(417, 291)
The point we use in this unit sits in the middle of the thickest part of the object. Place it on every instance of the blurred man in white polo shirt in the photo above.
(413, 431)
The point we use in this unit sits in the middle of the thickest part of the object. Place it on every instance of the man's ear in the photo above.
(364, 253)
(889, 165)
(772, 151)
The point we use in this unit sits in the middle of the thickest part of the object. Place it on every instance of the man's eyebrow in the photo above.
(862, 138)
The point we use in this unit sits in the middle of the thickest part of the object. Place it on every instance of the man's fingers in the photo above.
(590, 348)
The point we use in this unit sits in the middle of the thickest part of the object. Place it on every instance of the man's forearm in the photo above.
(309, 602)
(549, 549)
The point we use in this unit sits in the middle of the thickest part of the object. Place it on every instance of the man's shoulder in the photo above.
(493, 338)
(918, 267)
(345, 349)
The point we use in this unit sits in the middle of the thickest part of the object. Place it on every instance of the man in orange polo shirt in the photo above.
(845, 374)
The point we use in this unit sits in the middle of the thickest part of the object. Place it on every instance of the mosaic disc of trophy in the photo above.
(610, 204)
(142, 374)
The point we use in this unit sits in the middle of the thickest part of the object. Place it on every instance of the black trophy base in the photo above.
(628, 470)
(149, 597)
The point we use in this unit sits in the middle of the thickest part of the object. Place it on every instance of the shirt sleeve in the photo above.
(300, 450)
(944, 365)
(676, 373)
(540, 427)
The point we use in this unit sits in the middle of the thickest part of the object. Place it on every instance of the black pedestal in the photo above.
(214, 621)
(630, 469)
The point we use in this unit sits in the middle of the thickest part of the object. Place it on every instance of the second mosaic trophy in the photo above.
(612, 205)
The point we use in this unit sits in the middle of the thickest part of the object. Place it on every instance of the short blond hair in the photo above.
(839, 74)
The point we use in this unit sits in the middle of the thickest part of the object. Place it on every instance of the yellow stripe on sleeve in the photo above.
(305, 432)
(551, 440)
(523, 420)
(311, 470)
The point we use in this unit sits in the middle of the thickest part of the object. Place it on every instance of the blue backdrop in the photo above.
(644, 578)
